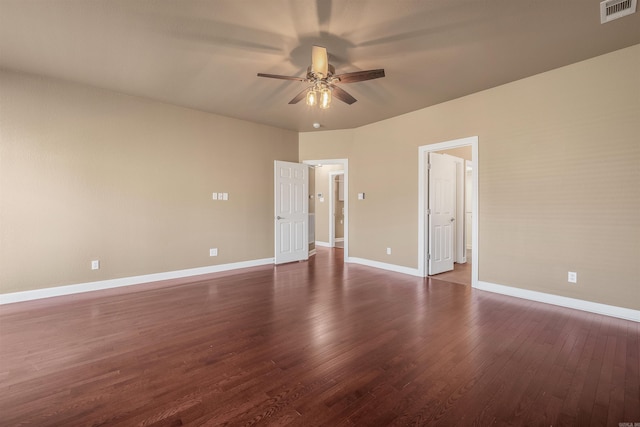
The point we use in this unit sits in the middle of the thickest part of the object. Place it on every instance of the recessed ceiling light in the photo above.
(316, 125)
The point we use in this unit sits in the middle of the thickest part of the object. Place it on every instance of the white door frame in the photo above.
(422, 208)
(332, 207)
(345, 169)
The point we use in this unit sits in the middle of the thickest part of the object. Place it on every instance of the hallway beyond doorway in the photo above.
(461, 273)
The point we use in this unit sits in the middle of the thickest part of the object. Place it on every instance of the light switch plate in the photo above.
(225, 196)
(360, 196)
(215, 196)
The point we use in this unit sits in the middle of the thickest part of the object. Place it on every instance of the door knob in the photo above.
(453, 219)
(280, 217)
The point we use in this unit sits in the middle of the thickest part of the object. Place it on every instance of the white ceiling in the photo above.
(205, 54)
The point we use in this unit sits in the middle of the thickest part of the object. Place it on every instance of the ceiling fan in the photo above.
(323, 79)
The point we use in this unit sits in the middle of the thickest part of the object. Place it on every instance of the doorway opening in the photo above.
(464, 214)
(329, 204)
(336, 209)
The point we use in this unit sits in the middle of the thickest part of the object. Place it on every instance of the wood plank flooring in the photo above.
(461, 274)
(313, 343)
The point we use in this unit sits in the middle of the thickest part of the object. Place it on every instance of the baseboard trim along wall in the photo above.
(126, 281)
(578, 304)
(323, 244)
(383, 265)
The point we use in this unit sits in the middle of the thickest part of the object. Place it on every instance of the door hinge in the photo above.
(428, 211)
(428, 256)
(428, 166)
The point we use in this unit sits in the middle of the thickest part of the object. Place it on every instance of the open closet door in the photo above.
(291, 212)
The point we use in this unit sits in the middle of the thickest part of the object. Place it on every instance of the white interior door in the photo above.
(291, 212)
(441, 212)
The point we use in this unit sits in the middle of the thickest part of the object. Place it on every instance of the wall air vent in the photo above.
(614, 9)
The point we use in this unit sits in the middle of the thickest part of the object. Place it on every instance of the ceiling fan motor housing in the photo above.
(313, 76)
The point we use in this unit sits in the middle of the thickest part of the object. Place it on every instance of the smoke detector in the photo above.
(614, 9)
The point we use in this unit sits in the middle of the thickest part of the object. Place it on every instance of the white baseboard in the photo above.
(384, 266)
(592, 307)
(125, 281)
(578, 304)
(323, 244)
(312, 252)
(339, 239)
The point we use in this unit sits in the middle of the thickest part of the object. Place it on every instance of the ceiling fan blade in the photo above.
(319, 60)
(299, 97)
(342, 95)
(277, 76)
(359, 76)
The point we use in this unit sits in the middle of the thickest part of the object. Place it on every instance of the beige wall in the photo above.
(559, 179)
(89, 174)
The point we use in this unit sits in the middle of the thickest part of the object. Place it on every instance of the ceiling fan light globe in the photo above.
(325, 98)
(312, 98)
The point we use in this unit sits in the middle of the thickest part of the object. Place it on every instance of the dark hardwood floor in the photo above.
(314, 343)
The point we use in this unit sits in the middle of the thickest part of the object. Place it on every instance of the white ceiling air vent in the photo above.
(614, 9)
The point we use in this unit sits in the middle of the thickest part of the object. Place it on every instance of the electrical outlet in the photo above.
(213, 252)
(215, 196)
(95, 264)
(572, 277)
(388, 251)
